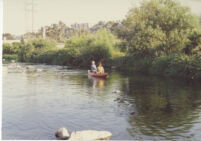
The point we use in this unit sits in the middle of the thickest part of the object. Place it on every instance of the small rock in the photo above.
(62, 134)
(116, 91)
(90, 135)
(39, 70)
(65, 67)
(132, 113)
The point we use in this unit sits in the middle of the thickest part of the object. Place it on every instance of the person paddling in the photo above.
(93, 67)
(100, 68)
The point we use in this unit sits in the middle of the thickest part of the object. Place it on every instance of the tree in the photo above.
(193, 46)
(158, 27)
(55, 31)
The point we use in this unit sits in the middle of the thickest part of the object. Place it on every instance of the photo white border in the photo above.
(1, 32)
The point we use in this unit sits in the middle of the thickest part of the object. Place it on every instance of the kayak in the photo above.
(99, 75)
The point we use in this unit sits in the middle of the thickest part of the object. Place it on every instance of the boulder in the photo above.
(62, 134)
(90, 135)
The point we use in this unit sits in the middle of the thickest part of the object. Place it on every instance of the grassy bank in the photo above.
(178, 66)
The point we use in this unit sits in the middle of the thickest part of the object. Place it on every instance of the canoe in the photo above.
(102, 75)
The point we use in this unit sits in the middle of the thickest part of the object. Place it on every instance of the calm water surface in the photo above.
(36, 104)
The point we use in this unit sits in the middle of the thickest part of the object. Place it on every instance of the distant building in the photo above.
(75, 29)
(82, 26)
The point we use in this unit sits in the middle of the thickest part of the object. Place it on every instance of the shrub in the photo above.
(178, 66)
(10, 56)
(34, 47)
(11, 48)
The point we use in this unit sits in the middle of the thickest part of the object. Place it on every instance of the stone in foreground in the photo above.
(62, 134)
(90, 135)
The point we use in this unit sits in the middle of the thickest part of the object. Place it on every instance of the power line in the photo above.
(30, 9)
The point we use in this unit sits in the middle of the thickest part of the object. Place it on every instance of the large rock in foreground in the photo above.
(90, 135)
(62, 134)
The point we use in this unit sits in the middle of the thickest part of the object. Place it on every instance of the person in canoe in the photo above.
(93, 67)
(100, 68)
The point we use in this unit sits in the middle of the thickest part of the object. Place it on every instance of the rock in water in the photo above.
(39, 70)
(62, 134)
(90, 135)
(117, 91)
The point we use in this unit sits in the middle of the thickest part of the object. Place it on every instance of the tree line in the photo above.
(160, 37)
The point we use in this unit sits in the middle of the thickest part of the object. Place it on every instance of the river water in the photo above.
(37, 103)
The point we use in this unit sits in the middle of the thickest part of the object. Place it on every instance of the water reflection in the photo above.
(97, 82)
(164, 109)
(147, 107)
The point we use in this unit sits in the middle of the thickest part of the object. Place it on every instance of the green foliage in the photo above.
(42, 44)
(158, 27)
(178, 66)
(10, 51)
(34, 47)
(78, 51)
(98, 46)
(67, 57)
(10, 56)
(133, 64)
(45, 57)
(193, 46)
(163, 38)
(78, 41)
(11, 48)
(7, 48)
(25, 52)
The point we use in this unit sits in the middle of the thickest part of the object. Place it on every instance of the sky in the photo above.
(17, 15)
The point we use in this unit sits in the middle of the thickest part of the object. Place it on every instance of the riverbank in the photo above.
(174, 65)
(169, 66)
(179, 66)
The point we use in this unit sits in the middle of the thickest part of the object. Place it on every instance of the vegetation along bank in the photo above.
(160, 37)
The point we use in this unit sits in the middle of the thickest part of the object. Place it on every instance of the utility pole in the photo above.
(29, 15)
(32, 16)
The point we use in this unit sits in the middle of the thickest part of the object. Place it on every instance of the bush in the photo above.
(11, 48)
(34, 47)
(133, 64)
(78, 51)
(99, 47)
(10, 57)
(178, 66)
(160, 64)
